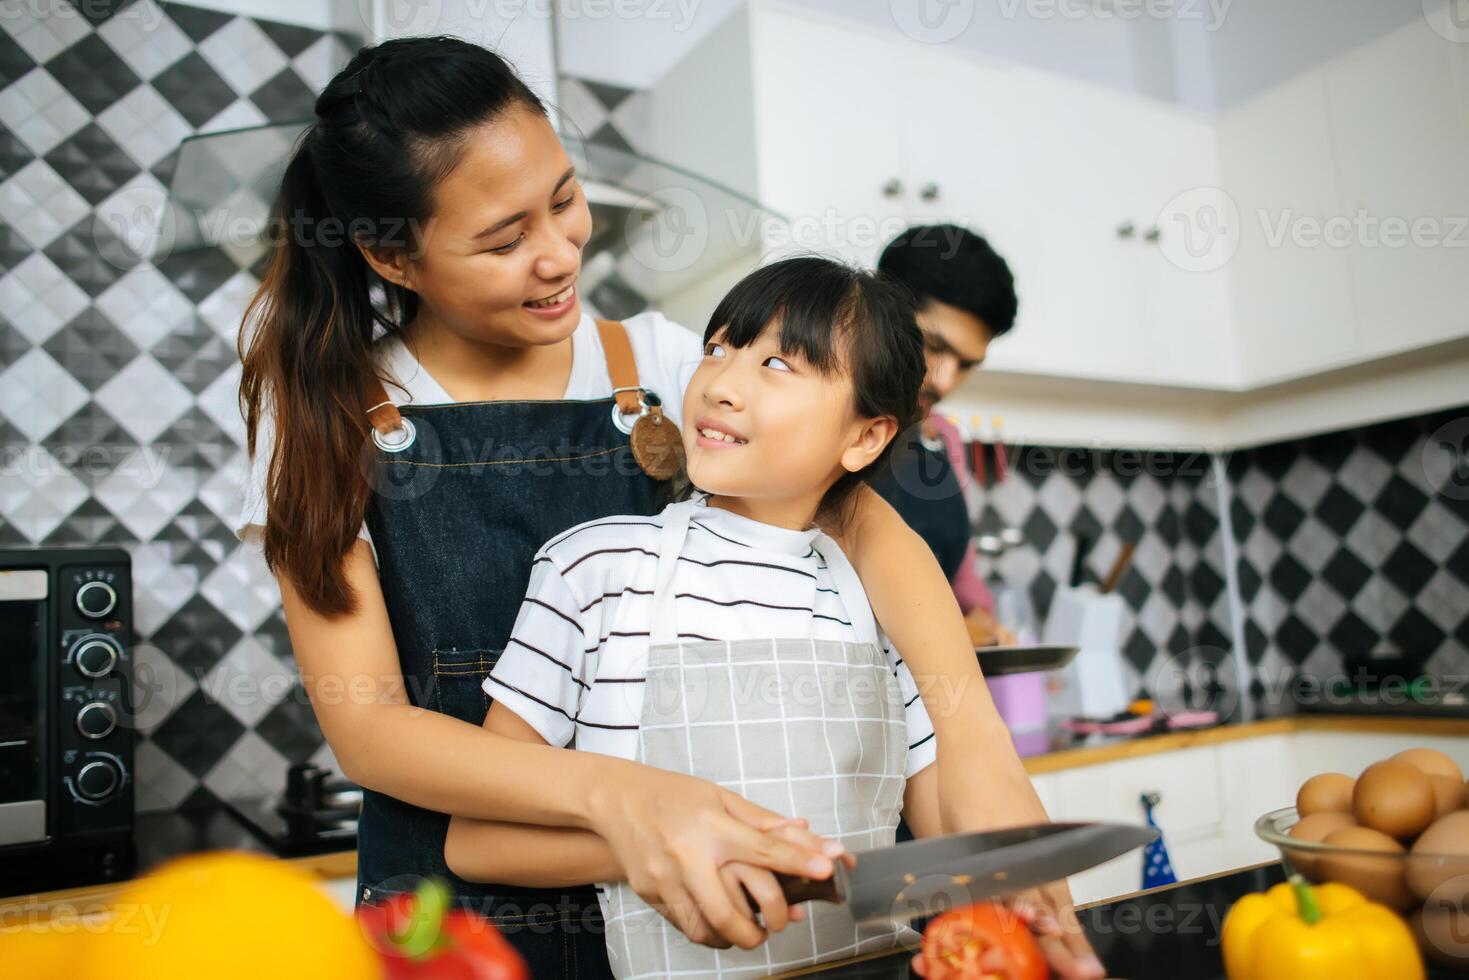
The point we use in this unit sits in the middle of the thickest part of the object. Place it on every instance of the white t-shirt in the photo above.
(577, 657)
(666, 355)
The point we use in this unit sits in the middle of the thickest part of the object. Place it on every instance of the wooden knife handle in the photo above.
(799, 889)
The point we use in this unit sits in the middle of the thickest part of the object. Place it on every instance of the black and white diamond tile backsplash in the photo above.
(118, 376)
(119, 422)
(1356, 543)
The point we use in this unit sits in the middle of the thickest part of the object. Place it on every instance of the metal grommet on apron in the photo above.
(391, 432)
(830, 746)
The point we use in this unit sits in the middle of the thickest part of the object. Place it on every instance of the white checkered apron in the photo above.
(809, 728)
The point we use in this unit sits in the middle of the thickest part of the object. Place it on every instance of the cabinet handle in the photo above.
(1126, 229)
(930, 192)
(892, 188)
(1153, 234)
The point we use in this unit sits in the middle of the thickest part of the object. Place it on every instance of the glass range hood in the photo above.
(659, 232)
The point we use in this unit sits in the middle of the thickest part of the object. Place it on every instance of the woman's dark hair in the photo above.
(841, 320)
(955, 266)
(388, 128)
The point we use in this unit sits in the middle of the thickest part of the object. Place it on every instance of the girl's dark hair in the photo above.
(388, 128)
(841, 320)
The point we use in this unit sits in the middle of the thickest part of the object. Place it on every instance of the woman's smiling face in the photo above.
(499, 259)
(760, 423)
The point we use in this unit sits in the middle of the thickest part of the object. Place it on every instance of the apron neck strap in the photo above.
(622, 367)
(849, 585)
(676, 517)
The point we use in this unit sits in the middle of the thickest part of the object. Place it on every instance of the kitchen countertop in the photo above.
(1166, 933)
(1055, 750)
(164, 835)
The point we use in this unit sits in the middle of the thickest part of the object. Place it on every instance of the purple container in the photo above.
(1021, 700)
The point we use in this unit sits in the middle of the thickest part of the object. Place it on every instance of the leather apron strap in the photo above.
(622, 370)
(622, 367)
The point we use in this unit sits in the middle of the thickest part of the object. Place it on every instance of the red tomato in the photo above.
(986, 941)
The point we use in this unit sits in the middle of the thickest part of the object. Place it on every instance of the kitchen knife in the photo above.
(922, 877)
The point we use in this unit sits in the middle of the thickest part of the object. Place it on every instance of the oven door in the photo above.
(23, 683)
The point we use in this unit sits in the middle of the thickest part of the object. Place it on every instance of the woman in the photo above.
(432, 174)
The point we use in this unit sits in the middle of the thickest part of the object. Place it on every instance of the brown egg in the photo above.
(1313, 829)
(1448, 794)
(1395, 798)
(1431, 761)
(1330, 792)
(1439, 865)
(1442, 931)
(1380, 879)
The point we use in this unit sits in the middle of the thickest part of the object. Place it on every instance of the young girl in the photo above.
(727, 637)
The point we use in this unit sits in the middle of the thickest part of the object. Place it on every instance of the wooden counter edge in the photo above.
(91, 899)
(1174, 741)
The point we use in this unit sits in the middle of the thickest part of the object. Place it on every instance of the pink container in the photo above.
(1021, 700)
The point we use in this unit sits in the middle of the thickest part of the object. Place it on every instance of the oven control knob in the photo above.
(95, 656)
(96, 599)
(96, 719)
(98, 780)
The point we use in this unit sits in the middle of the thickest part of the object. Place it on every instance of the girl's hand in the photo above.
(1052, 917)
(672, 834)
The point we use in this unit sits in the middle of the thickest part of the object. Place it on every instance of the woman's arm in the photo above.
(912, 600)
(520, 854)
(670, 832)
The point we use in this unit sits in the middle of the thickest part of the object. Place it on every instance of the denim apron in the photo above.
(798, 725)
(464, 495)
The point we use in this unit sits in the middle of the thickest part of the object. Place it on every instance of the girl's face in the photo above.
(763, 425)
(499, 258)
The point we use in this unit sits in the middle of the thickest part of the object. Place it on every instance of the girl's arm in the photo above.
(982, 784)
(921, 803)
(670, 832)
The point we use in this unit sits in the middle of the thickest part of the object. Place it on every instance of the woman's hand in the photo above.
(673, 834)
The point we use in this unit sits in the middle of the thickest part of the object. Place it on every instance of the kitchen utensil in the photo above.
(918, 878)
(1078, 559)
(1119, 567)
(1001, 661)
(1092, 684)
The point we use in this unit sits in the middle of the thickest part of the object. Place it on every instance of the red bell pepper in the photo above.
(419, 937)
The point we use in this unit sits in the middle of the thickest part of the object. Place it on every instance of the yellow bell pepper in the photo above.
(1330, 931)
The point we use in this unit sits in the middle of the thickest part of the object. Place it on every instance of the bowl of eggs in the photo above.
(1398, 833)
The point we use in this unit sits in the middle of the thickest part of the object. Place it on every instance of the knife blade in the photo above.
(923, 877)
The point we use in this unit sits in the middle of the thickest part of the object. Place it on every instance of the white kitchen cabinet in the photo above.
(1399, 117)
(1332, 171)
(855, 133)
(1187, 784)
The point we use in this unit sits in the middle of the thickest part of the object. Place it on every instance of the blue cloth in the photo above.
(1157, 868)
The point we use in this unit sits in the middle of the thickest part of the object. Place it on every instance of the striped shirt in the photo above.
(575, 664)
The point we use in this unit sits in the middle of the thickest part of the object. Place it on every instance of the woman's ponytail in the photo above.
(387, 128)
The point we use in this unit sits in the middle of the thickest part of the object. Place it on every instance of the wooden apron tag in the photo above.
(657, 444)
